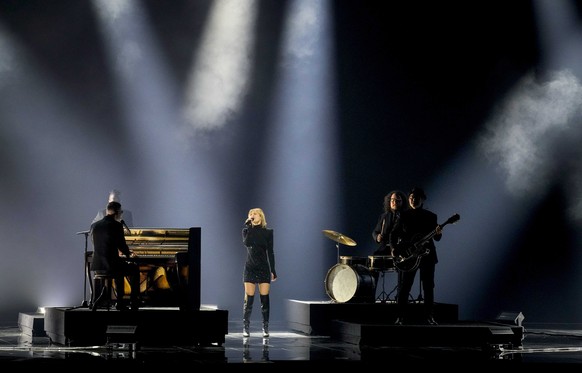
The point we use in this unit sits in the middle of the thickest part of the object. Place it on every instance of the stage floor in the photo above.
(557, 345)
(169, 340)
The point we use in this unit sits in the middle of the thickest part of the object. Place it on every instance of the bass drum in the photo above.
(354, 284)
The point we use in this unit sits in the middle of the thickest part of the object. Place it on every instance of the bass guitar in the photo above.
(408, 258)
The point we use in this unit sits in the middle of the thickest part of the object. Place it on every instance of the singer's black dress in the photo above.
(260, 260)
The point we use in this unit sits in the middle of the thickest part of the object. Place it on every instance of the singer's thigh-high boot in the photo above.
(247, 310)
(265, 308)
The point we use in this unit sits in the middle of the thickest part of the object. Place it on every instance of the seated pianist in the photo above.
(109, 249)
(161, 255)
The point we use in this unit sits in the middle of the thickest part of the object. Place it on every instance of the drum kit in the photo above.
(353, 278)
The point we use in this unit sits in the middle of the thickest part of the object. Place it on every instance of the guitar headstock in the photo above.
(453, 219)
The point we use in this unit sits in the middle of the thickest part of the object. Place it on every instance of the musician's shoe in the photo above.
(399, 321)
(265, 329)
(121, 307)
(431, 321)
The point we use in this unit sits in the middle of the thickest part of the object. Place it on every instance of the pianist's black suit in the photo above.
(108, 242)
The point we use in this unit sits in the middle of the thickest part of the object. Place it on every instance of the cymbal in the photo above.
(338, 237)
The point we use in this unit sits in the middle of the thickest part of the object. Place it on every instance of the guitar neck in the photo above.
(433, 233)
(428, 236)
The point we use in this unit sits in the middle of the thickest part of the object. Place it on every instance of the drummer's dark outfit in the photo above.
(259, 265)
(384, 227)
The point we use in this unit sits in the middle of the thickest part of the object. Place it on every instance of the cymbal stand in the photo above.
(337, 249)
(393, 290)
(383, 296)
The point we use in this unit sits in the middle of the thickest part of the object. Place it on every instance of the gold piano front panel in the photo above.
(156, 250)
(157, 236)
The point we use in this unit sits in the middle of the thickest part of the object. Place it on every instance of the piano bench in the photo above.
(103, 285)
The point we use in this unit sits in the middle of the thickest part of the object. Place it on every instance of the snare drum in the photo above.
(381, 262)
(353, 260)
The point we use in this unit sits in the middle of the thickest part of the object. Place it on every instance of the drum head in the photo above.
(345, 283)
(341, 283)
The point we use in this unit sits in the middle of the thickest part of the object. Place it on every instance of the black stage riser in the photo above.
(460, 334)
(83, 327)
(313, 317)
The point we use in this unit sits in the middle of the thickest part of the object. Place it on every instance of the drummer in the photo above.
(394, 204)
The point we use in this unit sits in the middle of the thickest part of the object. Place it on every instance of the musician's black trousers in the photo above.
(405, 282)
(131, 270)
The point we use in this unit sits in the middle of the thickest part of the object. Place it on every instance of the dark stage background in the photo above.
(417, 91)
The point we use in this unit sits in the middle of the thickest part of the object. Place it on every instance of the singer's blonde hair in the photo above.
(261, 213)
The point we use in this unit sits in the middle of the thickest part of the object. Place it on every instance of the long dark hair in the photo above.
(400, 194)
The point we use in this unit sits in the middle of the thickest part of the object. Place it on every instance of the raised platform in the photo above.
(371, 327)
(153, 326)
(315, 317)
(458, 334)
(31, 324)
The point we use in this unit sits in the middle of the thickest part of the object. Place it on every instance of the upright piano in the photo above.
(169, 263)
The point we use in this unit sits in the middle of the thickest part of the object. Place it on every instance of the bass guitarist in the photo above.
(413, 224)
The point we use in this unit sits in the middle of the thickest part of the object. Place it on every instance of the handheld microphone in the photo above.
(249, 221)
